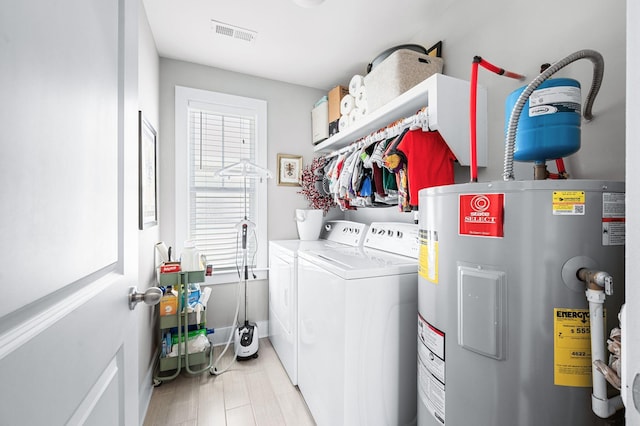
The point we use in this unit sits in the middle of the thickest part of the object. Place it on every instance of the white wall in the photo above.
(510, 34)
(516, 35)
(632, 336)
(148, 103)
(288, 131)
(519, 36)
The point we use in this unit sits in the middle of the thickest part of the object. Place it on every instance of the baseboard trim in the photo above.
(145, 393)
(221, 335)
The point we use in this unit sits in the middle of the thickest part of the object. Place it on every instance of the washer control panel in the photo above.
(344, 232)
(394, 237)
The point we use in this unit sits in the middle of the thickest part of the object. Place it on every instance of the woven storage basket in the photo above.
(398, 73)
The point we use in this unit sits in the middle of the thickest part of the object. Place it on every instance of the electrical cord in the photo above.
(255, 253)
(214, 369)
(239, 267)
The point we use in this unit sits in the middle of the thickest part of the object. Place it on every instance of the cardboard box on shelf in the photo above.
(335, 96)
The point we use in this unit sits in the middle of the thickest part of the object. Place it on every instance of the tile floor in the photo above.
(254, 392)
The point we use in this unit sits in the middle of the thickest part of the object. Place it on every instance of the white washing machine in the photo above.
(283, 287)
(357, 347)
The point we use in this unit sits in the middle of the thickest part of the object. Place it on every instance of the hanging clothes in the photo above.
(335, 175)
(396, 162)
(378, 152)
(345, 177)
(429, 161)
(376, 171)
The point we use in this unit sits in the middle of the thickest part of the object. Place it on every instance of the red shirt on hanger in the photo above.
(429, 161)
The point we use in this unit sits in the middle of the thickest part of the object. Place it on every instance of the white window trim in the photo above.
(184, 97)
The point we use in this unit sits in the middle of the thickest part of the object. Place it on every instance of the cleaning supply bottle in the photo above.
(193, 294)
(190, 259)
(169, 303)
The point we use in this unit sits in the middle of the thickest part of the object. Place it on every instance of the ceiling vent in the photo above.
(226, 30)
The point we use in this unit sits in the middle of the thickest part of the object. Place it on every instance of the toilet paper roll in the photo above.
(356, 82)
(343, 123)
(347, 104)
(361, 96)
(354, 116)
(363, 110)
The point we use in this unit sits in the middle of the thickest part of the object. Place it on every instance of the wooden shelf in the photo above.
(447, 99)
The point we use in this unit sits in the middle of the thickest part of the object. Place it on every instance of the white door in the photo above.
(68, 212)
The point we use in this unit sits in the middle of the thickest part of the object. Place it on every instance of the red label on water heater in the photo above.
(481, 215)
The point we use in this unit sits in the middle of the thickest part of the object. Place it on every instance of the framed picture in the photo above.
(147, 173)
(435, 50)
(289, 169)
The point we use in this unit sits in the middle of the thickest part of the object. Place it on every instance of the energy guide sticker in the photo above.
(572, 347)
(613, 219)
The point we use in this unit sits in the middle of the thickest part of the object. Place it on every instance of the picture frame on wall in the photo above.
(289, 169)
(147, 173)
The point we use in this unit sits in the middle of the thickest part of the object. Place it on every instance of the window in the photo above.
(215, 130)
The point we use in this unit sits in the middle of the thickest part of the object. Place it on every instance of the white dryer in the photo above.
(357, 310)
(283, 287)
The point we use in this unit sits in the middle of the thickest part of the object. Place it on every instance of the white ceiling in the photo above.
(317, 47)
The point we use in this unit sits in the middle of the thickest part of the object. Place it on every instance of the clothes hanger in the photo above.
(246, 169)
(419, 120)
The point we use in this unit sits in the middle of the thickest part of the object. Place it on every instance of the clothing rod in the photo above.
(419, 119)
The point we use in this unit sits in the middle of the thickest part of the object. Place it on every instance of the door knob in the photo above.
(151, 296)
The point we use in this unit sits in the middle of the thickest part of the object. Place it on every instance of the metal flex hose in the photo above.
(598, 71)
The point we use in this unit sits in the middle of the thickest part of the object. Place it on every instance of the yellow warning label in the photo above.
(572, 347)
(568, 197)
(568, 202)
(428, 256)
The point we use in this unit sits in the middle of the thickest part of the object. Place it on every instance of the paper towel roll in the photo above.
(343, 123)
(356, 82)
(162, 253)
(347, 104)
(361, 96)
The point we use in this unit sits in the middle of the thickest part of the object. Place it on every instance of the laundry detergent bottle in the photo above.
(190, 259)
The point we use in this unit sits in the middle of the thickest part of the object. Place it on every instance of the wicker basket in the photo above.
(398, 73)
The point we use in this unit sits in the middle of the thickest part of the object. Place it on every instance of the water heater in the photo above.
(503, 323)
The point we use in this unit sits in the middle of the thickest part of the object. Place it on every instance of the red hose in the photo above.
(473, 98)
(500, 71)
(562, 172)
(472, 118)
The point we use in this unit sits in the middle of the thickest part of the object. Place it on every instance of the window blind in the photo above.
(218, 204)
